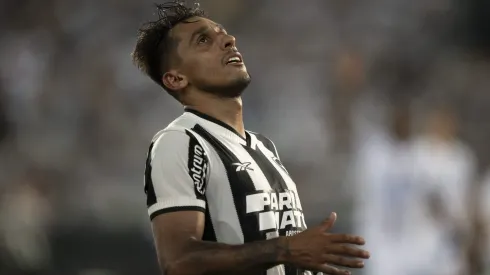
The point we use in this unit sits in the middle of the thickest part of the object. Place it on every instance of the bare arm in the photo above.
(181, 252)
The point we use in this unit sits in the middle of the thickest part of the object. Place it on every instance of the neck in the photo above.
(227, 110)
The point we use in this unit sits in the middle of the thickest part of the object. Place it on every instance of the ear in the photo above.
(174, 81)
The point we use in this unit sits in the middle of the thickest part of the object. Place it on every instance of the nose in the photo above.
(228, 42)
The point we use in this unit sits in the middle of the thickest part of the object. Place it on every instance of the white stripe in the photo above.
(221, 205)
(287, 179)
(177, 202)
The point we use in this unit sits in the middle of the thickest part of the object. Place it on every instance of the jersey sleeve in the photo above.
(177, 169)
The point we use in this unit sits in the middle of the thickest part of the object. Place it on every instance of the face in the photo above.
(209, 60)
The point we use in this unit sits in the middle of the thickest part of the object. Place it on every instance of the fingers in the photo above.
(345, 250)
(328, 223)
(344, 261)
(347, 238)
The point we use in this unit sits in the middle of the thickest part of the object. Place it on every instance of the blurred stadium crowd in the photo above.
(386, 103)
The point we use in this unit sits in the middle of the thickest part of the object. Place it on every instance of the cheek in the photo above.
(203, 65)
(207, 71)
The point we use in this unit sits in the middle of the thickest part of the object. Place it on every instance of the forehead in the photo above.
(184, 31)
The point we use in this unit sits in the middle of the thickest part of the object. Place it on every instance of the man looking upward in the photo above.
(218, 196)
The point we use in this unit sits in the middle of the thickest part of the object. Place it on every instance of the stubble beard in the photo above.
(234, 89)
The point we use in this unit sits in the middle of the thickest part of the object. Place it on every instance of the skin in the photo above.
(206, 83)
(201, 77)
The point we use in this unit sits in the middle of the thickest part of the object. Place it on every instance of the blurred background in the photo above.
(380, 110)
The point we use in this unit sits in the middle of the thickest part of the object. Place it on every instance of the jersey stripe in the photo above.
(249, 223)
(197, 163)
(276, 181)
(267, 143)
(151, 197)
(273, 177)
(209, 233)
(221, 204)
(282, 171)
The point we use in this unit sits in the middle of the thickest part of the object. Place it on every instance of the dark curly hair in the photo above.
(155, 49)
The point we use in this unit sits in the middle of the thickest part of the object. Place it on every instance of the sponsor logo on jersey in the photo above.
(277, 211)
(198, 167)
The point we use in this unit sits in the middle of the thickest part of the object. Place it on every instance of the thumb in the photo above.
(328, 223)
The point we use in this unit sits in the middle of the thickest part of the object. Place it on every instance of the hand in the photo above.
(315, 249)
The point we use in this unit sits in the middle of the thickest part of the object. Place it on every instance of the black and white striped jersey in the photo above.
(200, 163)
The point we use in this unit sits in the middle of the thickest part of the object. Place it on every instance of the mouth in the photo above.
(234, 59)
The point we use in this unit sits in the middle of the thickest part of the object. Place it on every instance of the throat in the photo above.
(226, 111)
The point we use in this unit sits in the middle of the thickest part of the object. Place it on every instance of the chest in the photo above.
(250, 168)
(259, 185)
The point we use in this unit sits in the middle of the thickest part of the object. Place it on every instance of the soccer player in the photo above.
(219, 199)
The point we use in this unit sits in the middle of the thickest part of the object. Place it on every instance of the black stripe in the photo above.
(209, 234)
(273, 176)
(275, 180)
(176, 209)
(267, 143)
(240, 183)
(198, 164)
(151, 197)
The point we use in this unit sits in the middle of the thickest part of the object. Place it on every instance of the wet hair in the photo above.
(155, 49)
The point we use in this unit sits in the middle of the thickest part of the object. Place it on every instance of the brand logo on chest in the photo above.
(242, 166)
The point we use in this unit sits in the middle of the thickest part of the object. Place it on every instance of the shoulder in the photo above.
(176, 156)
(262, 138)
(178, 136)
(171, 142)
(266, 141)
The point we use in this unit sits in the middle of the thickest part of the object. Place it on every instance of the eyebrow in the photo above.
(220, 27)
(197, 32)
(204, 29)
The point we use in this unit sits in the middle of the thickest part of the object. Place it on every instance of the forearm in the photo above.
(202, 258)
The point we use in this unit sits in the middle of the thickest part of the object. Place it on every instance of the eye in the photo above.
(202, 39)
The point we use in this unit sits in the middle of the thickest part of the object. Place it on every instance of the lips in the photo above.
(234, 58)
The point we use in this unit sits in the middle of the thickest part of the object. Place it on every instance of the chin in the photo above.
(245, 77)
(234, 88)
